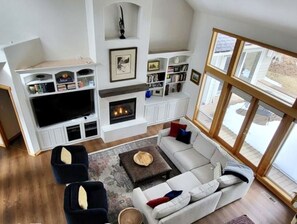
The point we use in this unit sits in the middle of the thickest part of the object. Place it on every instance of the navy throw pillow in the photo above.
(184, 136)
(173, 194)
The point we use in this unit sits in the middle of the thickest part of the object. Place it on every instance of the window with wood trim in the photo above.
(247, 102)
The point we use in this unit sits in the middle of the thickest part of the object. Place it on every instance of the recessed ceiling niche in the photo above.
(112, 16)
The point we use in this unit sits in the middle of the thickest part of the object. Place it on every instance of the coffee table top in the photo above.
(139, 173)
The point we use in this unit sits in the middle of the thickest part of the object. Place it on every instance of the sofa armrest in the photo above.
(162, 133)
(139, 201)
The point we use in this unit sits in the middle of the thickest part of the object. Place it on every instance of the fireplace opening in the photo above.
(123, 110)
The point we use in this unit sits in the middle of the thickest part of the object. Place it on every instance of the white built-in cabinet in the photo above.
(60, 77)
(160, 110)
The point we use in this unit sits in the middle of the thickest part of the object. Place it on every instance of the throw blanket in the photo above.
(239, 170)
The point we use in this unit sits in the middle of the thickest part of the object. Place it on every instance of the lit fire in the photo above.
(120, 111)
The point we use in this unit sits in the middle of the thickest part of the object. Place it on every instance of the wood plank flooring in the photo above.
(29, 193)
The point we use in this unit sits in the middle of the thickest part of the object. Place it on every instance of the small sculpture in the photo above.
(122, 25)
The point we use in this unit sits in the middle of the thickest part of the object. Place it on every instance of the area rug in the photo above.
(104, 166)
(244, 219)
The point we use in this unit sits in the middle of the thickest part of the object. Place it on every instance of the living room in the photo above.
(163, 30)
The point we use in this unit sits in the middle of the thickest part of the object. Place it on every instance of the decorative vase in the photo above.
(166, 90)
(148, 94)
(176, 60)
(178, 87)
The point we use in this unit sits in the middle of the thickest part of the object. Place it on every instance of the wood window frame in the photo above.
(229, 79)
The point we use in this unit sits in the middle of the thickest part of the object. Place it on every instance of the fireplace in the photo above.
(122, 110)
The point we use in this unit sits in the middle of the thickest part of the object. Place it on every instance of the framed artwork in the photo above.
(195, 77)
(122, 64)
(153, 65)
(158, 92)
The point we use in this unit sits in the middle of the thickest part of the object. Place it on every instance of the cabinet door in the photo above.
(182, 107)
(177, 109)
(161, 113)
(150, 114)
(51, 137)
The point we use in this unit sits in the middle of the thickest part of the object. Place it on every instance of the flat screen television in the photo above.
(53, 109)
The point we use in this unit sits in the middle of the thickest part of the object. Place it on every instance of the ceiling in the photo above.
(277, 14)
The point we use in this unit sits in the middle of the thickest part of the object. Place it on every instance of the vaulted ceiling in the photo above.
(277, 14)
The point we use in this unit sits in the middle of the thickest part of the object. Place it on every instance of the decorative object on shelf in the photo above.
(195, 77)
(166, 90)
(65, 77)
(40, 76)
(178, 87)
(122, 64)
(148, 94)
(122, 24)
(153, 65)
(158, 92)
(143, 158)
(176, 60)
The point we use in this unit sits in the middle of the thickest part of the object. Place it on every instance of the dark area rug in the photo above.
(104, 166)
(244, 219)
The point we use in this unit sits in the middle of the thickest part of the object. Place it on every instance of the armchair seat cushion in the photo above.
(74, 172)
(97, 203)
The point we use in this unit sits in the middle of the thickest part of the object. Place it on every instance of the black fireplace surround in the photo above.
(122, 110)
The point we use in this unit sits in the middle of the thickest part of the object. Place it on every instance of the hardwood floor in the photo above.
(30, 195)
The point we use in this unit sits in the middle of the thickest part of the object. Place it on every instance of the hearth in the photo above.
(122, 110)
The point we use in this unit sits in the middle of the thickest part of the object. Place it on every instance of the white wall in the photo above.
(61, 25)
(201, 35)
(170, 25)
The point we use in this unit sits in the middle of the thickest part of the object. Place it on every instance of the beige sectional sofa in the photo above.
(203, 187)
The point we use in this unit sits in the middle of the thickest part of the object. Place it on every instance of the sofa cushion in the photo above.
(171, 206)
(190, 127)
(175, 126)
(184, 136)
(157, 201)
(204, 145)
(228, 180)
(204, 173)
(218, 156)
(170, 144)
(157, 191)
(185, 181)
(204, 190)
(190, 159)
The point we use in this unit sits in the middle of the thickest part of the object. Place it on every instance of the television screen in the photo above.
(57, 108)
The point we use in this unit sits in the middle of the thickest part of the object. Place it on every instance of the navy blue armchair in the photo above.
(74, 172)
(97, 203)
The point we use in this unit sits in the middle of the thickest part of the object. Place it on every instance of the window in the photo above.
(248, 104)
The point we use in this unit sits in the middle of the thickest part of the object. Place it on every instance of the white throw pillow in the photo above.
(204, 190)
(171, 206)
(82, 198)
(217, 171)
(227, 180)
(66, 156)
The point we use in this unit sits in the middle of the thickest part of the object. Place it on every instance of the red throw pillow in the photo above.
(154, 202)
(174, 128)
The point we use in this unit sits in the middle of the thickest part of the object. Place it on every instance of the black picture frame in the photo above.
(195, 77)
(122, 64)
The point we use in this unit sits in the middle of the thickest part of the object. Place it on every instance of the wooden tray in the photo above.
(143, 158)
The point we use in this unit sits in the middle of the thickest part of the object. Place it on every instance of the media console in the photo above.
(63, 101)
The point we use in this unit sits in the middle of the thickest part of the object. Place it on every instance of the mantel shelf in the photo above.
(122, 90)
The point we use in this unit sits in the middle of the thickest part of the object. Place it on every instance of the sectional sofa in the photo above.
(210, 179)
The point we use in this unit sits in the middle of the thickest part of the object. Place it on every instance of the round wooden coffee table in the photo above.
(130, 216)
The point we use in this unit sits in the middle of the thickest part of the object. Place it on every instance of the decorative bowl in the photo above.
(143, 158)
